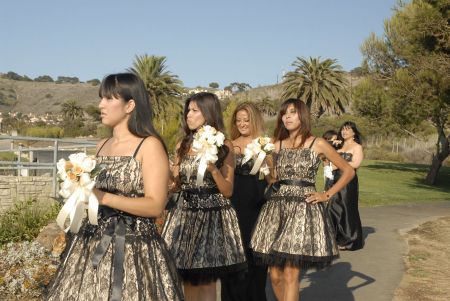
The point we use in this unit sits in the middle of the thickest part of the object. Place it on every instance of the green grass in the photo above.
(389, 183)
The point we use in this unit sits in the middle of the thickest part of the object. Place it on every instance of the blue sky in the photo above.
(250, 41)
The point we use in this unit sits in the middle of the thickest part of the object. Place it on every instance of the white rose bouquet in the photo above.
(206, 143)
(328, 171)
(77, 176)
(258, 149)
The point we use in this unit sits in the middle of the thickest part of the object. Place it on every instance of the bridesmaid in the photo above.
(202, 231)
(344, 205)
(124, 257)
(247, 199)
(293, 230)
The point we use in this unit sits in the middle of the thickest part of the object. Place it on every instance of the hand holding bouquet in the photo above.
(77, 175)
(206, 142)
(258, 149)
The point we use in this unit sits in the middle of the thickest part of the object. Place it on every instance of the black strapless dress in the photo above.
(247, 200)
(343, 209)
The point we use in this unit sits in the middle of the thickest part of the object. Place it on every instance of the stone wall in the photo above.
(14, 188)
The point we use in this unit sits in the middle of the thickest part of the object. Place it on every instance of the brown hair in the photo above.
(255, 117)
(209, 105)
(281, 133)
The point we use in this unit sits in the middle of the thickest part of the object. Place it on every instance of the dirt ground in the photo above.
(427, 274)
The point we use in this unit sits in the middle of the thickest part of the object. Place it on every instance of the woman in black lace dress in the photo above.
(202, 230)
(343, 207)
(247, 199)
(294, 230)
(123, 258)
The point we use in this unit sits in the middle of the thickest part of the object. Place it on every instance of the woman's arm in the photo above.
(155, 174)
(357, 156)
(224, 176)
(347, 172)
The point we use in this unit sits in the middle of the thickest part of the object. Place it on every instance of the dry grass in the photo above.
(39, 98)
(427, 275)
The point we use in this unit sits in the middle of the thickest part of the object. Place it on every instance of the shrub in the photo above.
(24, 220)
(45, 132)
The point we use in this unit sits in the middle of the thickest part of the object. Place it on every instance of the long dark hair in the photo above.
(209, 105)
(127, 86)
(352, 125)
(281, 133)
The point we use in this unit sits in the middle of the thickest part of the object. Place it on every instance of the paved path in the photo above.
(373, 273)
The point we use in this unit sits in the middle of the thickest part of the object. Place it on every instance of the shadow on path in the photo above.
(336, 283)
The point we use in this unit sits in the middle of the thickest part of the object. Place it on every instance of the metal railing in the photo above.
(54, 144)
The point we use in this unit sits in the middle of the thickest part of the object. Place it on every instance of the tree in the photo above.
(71, 110)
(412, 61)
(67, 79)
(214, 85)
(44, 79)
(320, 84)
(163, 87)
(267, 106)
(238, 87)
(94, 112)
(94, 82)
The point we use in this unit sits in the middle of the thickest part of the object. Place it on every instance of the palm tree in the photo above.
(267, 106)
(162, 86)
(320, 84)
(71, 110)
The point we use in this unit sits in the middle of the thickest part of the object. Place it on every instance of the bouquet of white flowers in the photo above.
(77, 176)
(328, 171)
(258, 149)
(206, 142)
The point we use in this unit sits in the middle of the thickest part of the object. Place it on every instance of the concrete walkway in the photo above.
(373, 273)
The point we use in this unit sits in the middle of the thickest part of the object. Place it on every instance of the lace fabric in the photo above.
(289, 230)
(202, 231)
(149, 272)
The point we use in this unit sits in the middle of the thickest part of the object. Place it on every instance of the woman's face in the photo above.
(243, 123)
(114, 110)
(291, 119)
(347, 133)
(194, 117)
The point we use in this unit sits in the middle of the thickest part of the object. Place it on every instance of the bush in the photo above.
(24, 220)
(380, 153)
(45, 132)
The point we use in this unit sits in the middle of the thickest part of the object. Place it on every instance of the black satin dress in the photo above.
(343, 209)
(247, 200)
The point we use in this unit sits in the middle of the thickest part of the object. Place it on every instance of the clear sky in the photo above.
(252, 41)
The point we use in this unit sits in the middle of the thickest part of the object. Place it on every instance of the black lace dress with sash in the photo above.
(247, 199)
(290, 231)
(343, 209)
(124, 257)
(202, 230)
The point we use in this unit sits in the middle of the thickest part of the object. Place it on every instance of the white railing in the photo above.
(55, 145)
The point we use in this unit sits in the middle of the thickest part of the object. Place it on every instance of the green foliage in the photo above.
(24, 220)
(44, 131)
(94, 82)
(228, 113)
(238, 87)
(73, 128)
(320, 84)
(14, 76)
(103, 132)
(67, 79)
(163, 87)
(412, 61)
(8, 156)
(44, 79)
(94, 112)
(214, 85)
(72, 111)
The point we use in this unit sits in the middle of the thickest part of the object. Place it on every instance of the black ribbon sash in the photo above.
(185, 194)
(274, 187)
(117, 228)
